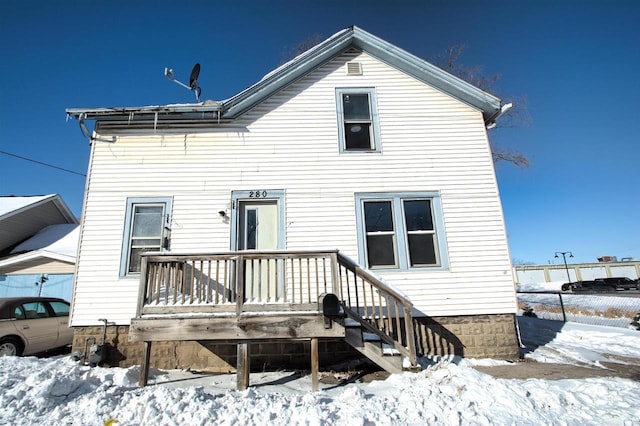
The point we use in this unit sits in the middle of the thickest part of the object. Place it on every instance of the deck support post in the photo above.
(314, 364)
(243, 366)
(144, 368)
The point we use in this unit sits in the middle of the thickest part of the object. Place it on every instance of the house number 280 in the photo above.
(257, 194)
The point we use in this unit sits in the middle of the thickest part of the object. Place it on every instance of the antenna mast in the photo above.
(193, 80)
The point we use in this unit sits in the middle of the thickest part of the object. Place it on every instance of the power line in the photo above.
(42, 163)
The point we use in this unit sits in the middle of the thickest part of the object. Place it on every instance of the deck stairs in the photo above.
(376, 344)
(373, 347)
(231, 295)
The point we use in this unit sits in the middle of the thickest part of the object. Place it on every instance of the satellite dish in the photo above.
(193, 80)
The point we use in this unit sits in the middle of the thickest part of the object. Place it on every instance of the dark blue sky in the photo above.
(577, 64)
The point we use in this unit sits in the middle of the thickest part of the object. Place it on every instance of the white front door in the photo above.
(258, 224)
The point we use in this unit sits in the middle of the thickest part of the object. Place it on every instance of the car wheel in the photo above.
(10, 346)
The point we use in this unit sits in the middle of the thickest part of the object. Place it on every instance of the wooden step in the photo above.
(373, 351)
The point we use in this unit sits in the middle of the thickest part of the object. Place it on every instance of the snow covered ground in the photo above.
(55, 391)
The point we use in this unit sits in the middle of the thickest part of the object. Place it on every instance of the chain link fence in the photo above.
(596, 309)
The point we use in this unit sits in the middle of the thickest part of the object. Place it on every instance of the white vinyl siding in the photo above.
(430, 142)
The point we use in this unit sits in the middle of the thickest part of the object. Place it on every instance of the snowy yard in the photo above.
(449, 392)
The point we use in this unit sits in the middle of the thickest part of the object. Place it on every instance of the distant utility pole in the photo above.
(43, 279)
(564, 258)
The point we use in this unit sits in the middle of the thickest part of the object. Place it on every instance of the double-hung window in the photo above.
(146, 229)
(358, 127)
(401, 231)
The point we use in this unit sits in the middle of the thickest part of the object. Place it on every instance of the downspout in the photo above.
(92, 136)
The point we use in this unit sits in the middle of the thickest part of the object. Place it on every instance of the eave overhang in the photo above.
(17, 259)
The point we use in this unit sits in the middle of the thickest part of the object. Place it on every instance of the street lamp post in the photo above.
(564, 258)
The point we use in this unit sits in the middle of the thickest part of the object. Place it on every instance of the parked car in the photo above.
(29, 325)
(567, 286)
(622, 283)
(593, 285)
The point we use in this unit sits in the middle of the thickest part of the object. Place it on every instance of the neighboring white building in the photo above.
(354, 145)
(38, 246)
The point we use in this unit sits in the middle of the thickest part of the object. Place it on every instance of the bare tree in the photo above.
(300, 47)
(449, 60)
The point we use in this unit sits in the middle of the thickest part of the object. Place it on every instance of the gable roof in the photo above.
(360, 39)
(351, 37)
(23, 217)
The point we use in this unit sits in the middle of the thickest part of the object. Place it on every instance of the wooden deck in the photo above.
(251, 296)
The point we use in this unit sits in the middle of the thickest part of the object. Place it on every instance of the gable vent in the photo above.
(354, 68)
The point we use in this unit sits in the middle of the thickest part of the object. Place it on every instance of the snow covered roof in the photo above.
(61, 239)
(24, 216)
(57, 242)
(14, 205)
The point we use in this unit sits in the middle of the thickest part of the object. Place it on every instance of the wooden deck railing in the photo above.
(234, 283)
(379, 308)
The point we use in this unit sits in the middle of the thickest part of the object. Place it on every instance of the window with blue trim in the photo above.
(358, 127)
(401, 231)
(146, 229)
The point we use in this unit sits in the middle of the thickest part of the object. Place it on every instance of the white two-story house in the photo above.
(356, 170)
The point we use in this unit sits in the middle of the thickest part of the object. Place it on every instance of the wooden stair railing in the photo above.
(379, 308)
(251, 281)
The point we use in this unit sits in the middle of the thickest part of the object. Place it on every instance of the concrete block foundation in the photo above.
(476, 336)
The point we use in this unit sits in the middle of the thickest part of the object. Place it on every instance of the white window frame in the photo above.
(132, 202)
(373, 110)
(400, 241)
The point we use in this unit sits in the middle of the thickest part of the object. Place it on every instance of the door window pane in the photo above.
(251, 229)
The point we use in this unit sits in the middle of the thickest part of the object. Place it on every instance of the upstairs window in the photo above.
(357, 120)
(401, 231)
(146, 229)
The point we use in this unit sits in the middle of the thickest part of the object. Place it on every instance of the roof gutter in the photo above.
(130, 113)
(491, 122)
(96, 113)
